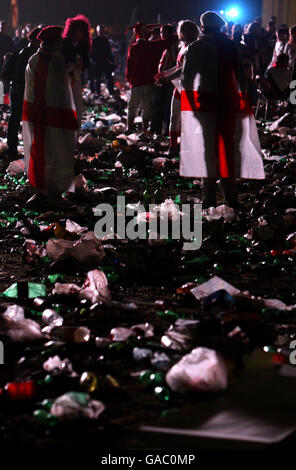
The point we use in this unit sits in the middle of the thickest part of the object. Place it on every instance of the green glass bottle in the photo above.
(162, 393)
(29, 290)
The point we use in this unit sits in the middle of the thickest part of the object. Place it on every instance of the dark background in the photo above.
(119, 11)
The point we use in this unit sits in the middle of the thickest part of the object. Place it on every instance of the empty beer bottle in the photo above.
(25, 290)
(91, 382)
(72, 334)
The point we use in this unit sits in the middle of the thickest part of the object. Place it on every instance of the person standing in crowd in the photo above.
(77, 46)
(279, 76)
(6, 44)
(219, 138)
(290, 48)
(164, 89)
(253, 42)
(271, 31)
(273, 19)
(49, 118)
(187, 32)
(17, 38)
(22, 41)
(17, 89)
(103, 60)
(141, 66)
(279, 48)
(237, 31)
(244, 63)
(270, 38)
(228, 29)
(243, 51)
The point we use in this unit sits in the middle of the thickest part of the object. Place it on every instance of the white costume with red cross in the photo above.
(49, 123)
(219, 138)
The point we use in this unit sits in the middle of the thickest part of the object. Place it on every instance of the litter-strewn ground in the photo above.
(149, 288)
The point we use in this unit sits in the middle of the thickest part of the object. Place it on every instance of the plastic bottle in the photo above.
(52, 318)
(80, 334)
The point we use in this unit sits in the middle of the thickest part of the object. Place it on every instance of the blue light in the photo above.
(232, 13)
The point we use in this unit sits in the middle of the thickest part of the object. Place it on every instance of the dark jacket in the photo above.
(18, 82)
(6, 45)
(102, 54)
(70, 52)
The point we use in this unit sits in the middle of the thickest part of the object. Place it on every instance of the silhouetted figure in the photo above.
(17, 89)
(103, 60)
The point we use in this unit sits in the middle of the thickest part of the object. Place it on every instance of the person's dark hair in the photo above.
(282, 31)
(254, 27)
(32, 36)
(271, 23)
(237, 36)
(167, 30)
(189, 30)
(213, 29)
(237, 28)
(79, 21)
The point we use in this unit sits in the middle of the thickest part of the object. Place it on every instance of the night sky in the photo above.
(119, 11)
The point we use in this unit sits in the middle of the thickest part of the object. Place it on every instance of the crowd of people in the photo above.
(197, 84)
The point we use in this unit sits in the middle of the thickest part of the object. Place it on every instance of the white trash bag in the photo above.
(76, 405)
(87, 250)
(202, 370)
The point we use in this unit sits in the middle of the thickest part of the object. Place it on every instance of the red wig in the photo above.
(79, 21)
